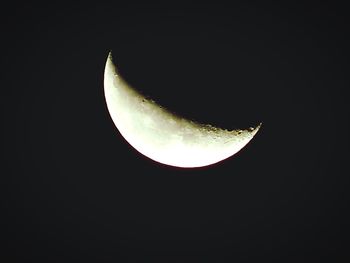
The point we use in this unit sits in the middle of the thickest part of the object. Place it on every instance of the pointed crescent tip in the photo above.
(257, 128)
(109, 55)
(110, 64)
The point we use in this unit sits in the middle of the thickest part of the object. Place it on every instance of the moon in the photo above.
(163, 136)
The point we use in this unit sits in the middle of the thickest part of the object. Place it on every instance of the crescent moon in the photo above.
(163, 136)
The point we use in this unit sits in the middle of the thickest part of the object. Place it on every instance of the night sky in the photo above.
(76, 191)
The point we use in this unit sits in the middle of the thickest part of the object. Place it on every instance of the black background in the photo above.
(75, 191)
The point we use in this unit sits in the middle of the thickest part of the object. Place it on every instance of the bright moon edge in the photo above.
(162, 136)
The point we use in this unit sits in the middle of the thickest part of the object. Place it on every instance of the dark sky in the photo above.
(75, 191)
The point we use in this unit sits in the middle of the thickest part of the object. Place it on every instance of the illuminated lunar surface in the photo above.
(163, 136)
